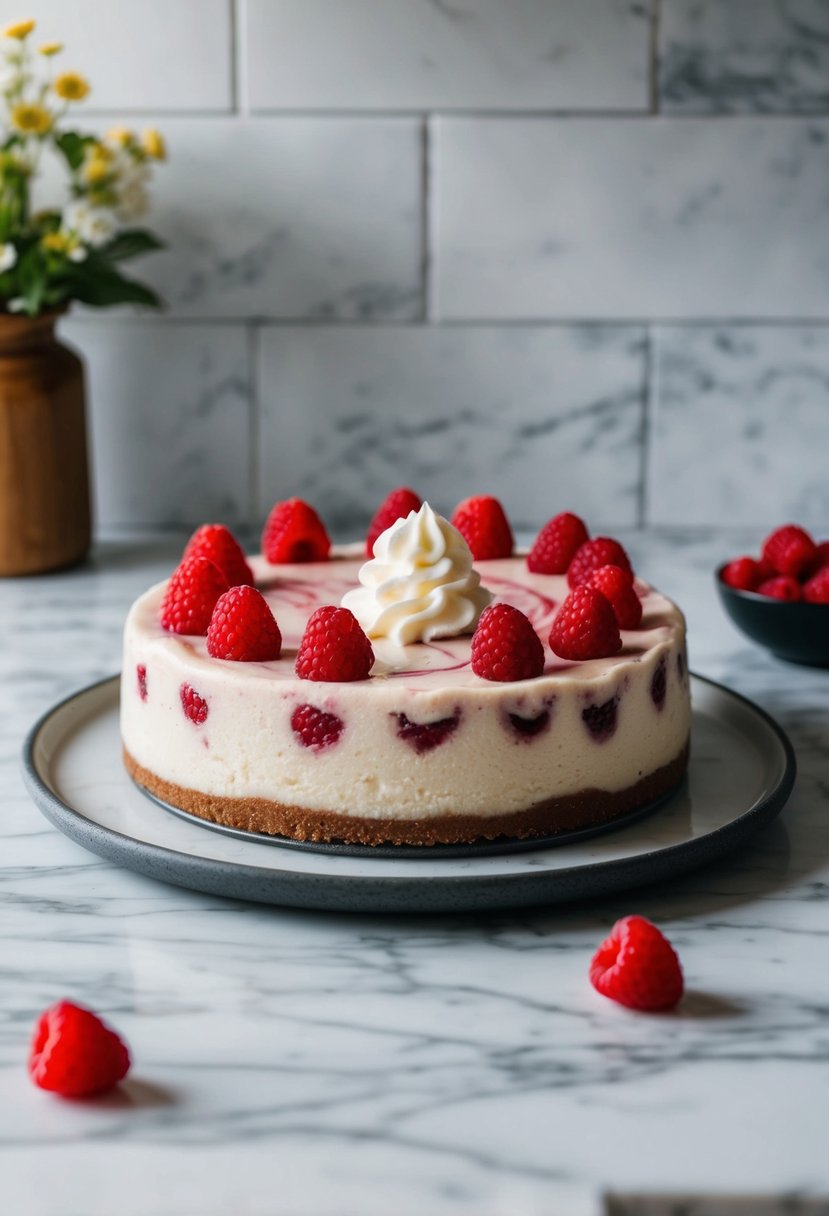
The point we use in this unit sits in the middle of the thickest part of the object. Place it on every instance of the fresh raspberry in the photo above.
(505, 646)
(314, 727)
(781, 588)
(218, 544)
(816, 590)
(616, 585)
(191, 596)
(601, 551)
(334, 647)
(74, 1053)
(194, 705)
(484, 526)
(294, 533)
(243, 628)
(789, 550)
(556, 544)
(638, 967)
(743, 574)
(821, 557)
(141, 680)
(585, 626)
(400, 503)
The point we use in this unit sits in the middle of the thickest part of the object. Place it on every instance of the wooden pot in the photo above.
(44, 478)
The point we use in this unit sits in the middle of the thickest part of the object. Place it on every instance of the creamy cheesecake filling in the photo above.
(424, 737)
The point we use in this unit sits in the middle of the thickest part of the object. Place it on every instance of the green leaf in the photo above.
(73, 147)
(129, 243)
(31, 280)
(101, 287)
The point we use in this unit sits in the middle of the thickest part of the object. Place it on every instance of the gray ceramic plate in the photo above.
(741, 773)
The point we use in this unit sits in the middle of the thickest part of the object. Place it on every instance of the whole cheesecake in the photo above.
(424, 751)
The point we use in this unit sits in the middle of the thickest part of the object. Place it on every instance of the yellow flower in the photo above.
(71, 86)
(50, 48)
(97, 169)
(120, 136)
(152, 141)
(58, 242)
(31, 118)
(19, 29)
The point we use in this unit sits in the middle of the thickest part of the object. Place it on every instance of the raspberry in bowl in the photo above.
(780, 598)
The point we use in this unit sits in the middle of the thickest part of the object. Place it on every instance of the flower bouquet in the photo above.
(53, 256)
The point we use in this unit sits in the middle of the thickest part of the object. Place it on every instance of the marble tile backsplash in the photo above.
(572, 252)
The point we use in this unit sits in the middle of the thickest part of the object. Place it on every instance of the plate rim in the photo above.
(692, 851)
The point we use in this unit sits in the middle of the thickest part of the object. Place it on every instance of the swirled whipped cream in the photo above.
(420, 584)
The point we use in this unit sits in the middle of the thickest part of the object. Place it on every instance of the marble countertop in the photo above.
(318, 1065)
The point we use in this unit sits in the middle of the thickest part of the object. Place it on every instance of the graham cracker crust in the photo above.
(587, 808)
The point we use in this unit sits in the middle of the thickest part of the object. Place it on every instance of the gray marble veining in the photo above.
(330, 1066)
(543, 416)
(170, 421)
(740, 425)
(289, 218)
(631, 219)
(746, 56)
(445, 54)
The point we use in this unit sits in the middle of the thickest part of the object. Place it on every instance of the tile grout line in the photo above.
(426, 220)
(653, 55)
(253, 342)
(647, 419)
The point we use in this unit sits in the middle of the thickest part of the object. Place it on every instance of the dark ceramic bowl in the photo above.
(796, 632)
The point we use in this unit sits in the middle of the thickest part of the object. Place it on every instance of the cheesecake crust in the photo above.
(586, 808)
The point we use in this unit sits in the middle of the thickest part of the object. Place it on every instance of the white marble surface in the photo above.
(630, 218)
(170, 421)
(446, 54)
(740, 425)
(148, 56)
(329, 1066)
(533, 414)
(289, 217)
(746, 56)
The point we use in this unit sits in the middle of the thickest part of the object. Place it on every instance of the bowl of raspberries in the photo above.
(781, 598)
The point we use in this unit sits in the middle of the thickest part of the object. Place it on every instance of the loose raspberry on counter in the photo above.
(616, 585)
(243, 628)
(294, 533)
(789, 550)
(484, 526)
(194, 705)
(638, 967)
(314, 727)
(601, 551)
(334, 647)
(781, 588)
(556, 544)
(816, 589)
(218, 544)
(585, 627)
(743, 574)
(397, 505)
(505, 646)
(191, 596)
(74, 1054)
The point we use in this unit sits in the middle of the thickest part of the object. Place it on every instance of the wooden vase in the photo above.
(44, 477)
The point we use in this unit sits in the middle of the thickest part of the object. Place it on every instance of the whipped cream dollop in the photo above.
(420, 584)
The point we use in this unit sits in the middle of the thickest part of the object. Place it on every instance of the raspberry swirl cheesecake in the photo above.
(445, 690)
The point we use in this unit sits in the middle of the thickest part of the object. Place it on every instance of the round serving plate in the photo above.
(741, 772)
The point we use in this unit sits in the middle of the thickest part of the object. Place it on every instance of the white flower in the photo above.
(16, 304)
(8, 257)
(78, 254)
(92, 225)
(133, 202)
